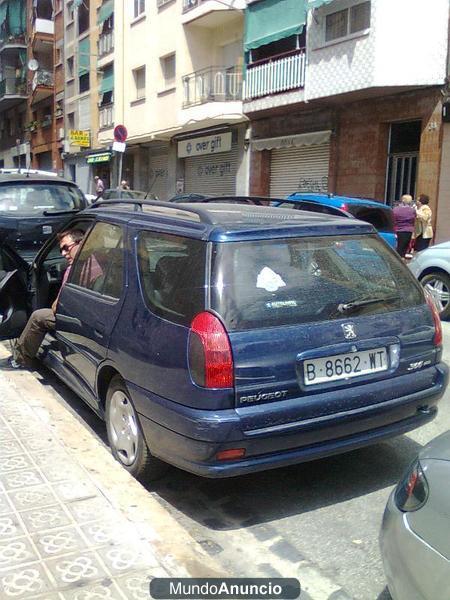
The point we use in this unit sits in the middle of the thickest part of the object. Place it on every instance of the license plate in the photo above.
(344, 366)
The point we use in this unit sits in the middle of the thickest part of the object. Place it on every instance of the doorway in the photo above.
(403, 159)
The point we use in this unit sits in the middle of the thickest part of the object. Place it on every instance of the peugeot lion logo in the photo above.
(349, 331)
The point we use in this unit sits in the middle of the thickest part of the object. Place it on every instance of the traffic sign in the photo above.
(120, 133)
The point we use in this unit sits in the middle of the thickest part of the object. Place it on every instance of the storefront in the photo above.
(298, 163)
(212, 162)
(158, 175)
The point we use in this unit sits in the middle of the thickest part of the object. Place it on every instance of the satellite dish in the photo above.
(33, 64)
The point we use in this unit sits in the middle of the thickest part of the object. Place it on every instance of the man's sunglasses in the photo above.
(67, 247)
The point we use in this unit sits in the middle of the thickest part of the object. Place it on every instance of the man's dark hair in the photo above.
(76, 234)
(424, 199)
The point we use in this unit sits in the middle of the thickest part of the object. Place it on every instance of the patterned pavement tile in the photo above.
(15, 463)
(57, 471)
(22, 582)
(91, 509)
(10, 447)
(58, 541)
(20, 479)
(136, 586)
(15, 552)
(45, 518)
(119, 559)
(111, 532)
(10, 527)
(76, 569)
(5, 506)
(68, 491)
(100, 590)
(35, 497)
(43, 443)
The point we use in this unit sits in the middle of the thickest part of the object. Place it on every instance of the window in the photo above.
(168, 68)
(99, 265)
(71, 120)
(83, 16)
(70, 70)
(139, 8)
(346, 22)
(139, 82)
(84, 83)
(70, 12)
(171, 273)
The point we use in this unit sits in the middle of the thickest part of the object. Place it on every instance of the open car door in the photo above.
(14, 296)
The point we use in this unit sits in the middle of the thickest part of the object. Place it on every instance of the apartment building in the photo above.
(83, 80)
(14, 145)
(345, 96)
(174, 80)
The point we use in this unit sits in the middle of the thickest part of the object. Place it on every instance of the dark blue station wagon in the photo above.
(228, 338)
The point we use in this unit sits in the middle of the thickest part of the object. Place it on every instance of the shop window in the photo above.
(139, 82)
(349, 21)
(139, 8)
(84, 83)
(168, 68)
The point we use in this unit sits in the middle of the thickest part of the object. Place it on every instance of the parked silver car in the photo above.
(415, 540)
(432, 269)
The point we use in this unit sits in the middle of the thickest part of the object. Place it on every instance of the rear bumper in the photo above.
(190, 439)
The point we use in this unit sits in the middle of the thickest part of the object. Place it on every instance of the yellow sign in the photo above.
(79, 137)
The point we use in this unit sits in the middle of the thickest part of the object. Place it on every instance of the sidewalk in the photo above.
(73, 524)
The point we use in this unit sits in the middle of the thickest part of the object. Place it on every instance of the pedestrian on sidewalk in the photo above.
(43, 319)
(404, 219)
(423, 227)
(99, 186)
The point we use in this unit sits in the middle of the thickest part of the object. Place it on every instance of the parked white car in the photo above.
(432, 269)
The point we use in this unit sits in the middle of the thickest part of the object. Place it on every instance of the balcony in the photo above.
(9, 40)
(43, 35)
(13, 90)
(105, 43)
(211, 13)
(106, 116)
(275, 75)
(214, 84)
(42, 85)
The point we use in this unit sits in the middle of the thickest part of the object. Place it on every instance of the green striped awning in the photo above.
(16, 17)
(268, 21)
(3, 12)
(105, 11)
(317, 3)
(107, 83)
(84, 56)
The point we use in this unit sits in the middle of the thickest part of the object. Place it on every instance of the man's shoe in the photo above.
(11, 364)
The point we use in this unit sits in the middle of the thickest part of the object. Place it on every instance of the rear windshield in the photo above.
(299, 280)
(34, 198)
(172, 275)
(381, 218)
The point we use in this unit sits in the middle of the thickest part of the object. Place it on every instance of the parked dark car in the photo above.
(127, 194)
(33, 207)
(231, 338)
(377, 214)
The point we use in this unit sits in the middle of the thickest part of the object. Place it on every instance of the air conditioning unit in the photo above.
(60, 133)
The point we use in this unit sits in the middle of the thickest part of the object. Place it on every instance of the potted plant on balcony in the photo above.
(32, 126)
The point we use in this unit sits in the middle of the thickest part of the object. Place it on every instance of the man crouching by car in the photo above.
(43, 319)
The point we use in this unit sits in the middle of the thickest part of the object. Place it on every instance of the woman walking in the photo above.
(404, 218)
(423, 227)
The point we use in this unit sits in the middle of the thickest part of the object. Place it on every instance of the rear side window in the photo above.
(172, 275)
(381, 218)
(23, 199)
(300, 280)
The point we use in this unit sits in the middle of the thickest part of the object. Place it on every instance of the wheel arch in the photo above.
(104, 377)
(433, 269)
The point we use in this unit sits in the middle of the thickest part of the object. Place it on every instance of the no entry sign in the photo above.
(120, 133)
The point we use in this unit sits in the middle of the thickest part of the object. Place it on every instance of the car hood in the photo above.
(442, 246)
(438, 449)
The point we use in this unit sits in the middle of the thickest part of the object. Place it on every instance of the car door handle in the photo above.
(99, 330)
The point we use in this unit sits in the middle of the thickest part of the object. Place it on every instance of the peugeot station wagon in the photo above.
(227, 338)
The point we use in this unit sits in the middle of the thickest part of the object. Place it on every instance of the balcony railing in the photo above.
(215, 84)
(106, 43)
(13, 86)
(42, 77)
(106, 116)
(9, 39)
(189, 4)
(275, 75)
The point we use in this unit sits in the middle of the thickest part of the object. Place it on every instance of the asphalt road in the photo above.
(317, 521)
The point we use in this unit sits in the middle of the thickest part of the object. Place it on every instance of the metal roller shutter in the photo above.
(214, 174)
(158, 176)
(299, 169)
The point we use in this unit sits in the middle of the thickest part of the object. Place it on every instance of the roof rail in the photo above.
(138, 206)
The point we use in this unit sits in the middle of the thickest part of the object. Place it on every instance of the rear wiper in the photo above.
(48, 213)
(349, 306)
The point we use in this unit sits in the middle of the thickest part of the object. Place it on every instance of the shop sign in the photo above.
(209, 144)
(99, 158)
(80, 137)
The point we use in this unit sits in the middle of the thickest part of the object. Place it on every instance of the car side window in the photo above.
(100, 262)
(172, 275)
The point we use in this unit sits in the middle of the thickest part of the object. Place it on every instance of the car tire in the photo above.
(125, 435)
(438, 284)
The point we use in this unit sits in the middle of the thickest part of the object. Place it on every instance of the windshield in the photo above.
(32, 199)
(301, 280)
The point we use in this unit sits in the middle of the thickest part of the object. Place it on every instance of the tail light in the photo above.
(437, 340)
(210, 357)
(412, 491)
(344, 207)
